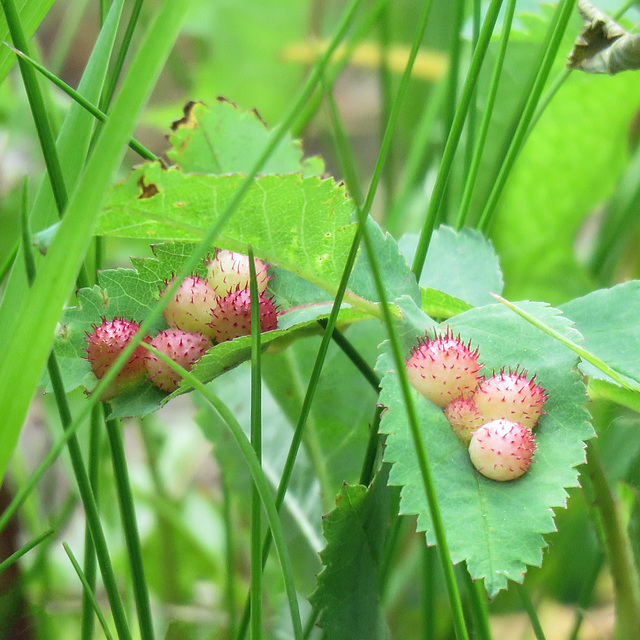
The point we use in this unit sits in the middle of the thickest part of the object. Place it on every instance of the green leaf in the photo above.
(569, 164)
(397, 277)
(609, 320)
(348, 587)
(462, 264)
(496, 527)
(223, 139)
(437, 304)
(302, 224)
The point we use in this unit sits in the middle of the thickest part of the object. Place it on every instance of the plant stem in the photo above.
(88, 591)
(230, 583)
(623, 569)
(88, 609)
(523, 592)
(130, 528)
(256, 441)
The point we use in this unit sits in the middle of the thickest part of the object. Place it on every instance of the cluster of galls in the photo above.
(203, 311)
(494, 417)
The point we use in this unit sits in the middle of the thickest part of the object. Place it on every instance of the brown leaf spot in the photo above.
(146, 190)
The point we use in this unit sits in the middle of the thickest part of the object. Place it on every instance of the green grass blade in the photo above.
(38, 109)
(90, 565)
(474, 166)
(557, 29)
(84, 487)
(110, 88)
(14, 557)
(385, 87)
(72, 145)
(396, 222)
(130, 529)
(200, 251)
(418, 443)
(5, 267)
(88, 591)
(32, 335)
(32, 13)
(366, 24)
(229, 555)
(454, 137)
(624, 382)
(453, 79)
(134, 145)
(452, 589)
(256, 442)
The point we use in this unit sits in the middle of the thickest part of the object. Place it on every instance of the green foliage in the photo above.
(302, 505)
(603, 314)
(568, 166)
(301, 224)
(337, 430)
(496, 527)
(348, 592)
(31, 15)
(222, 139)
(131, 294)
(462, 264)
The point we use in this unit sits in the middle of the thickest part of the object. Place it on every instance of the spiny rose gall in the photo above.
(232, 317)
(105, 343)
(182, 347)
(190, 308)
(511, 396)
(502, 450)
(444, 368)
(464, 418)
(229, 272)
